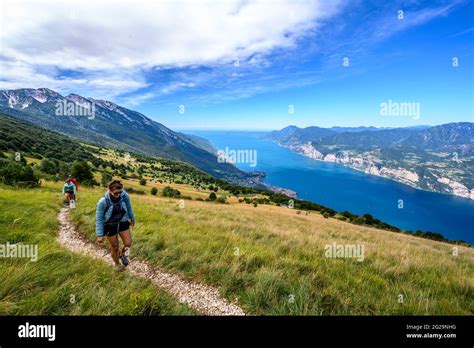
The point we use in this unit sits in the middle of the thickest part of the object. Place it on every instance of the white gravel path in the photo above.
(202, 298)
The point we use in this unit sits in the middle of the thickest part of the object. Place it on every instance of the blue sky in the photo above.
(241, 64)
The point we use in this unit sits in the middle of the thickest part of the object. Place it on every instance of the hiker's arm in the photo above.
(129, 208)
(63, 190)
(99, 220)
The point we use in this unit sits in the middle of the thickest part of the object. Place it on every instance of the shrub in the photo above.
(48, 166)
(369, 219)
(212, 196)
(19, 158)
(359, 220)
(168, 191)
(14, 173)
(221, 200)
(142, 181)
(154, 191)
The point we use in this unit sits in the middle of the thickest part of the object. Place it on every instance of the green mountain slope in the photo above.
(118, 127)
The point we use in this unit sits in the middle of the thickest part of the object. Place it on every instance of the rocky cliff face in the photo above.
(373, 165)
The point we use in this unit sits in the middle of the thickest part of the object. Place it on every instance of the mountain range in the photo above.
(107, 124)
(434, 158)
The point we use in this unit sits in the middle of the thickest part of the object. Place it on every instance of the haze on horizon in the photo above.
(248, 64)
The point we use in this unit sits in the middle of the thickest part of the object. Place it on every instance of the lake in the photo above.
(342, 188)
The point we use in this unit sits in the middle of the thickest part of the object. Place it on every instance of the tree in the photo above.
(64, 170)
(106, 178)
(154, 191)
(48, 166)
(15, 173)
(82, 172)
(212, 196)
(369, 219)
(142, 181)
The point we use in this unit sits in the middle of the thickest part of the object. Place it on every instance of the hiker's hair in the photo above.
(115, 184)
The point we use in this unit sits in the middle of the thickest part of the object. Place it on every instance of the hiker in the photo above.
(114, 216)
(74, 181)
(69, 191)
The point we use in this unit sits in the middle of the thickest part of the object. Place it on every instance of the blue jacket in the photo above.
(69, 184)
(104, 209)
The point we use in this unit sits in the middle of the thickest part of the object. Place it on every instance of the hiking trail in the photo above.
(200, 297)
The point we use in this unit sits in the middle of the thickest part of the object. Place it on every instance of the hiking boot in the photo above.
(124, 256)
(124, 260)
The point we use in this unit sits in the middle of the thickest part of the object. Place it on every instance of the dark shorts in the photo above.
(112, 229)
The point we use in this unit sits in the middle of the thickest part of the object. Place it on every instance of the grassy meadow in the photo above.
(61, 282)
(272, 259)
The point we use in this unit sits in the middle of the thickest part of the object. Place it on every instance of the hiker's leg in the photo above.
(126, 239)
(114, 248)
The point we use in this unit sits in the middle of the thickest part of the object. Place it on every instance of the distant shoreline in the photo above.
(302, 153)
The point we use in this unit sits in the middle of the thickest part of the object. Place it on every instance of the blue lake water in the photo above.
(342, 188)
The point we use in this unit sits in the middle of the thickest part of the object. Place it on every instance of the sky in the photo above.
(254, 65)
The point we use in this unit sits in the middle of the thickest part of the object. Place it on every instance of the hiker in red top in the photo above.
(74, 181)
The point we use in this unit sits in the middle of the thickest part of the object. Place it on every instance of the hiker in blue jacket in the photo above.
(69, 191)
(114, 216)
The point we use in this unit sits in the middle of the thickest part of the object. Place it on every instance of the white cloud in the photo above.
(112, 43)
(109, 34)
(97, 84)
